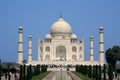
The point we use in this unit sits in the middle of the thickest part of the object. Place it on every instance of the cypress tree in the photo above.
(46, 68)
(33, 73)
(37, 69)
(24, 72)
(90, 71)
(76, 68)
(104, 71)
(99, 72)
(9, 76)
(41, 68)
(110, 72)
(80, 69)
(21, 72)
(28, 73)
(96, 72)
(30, 69)
(84, 70)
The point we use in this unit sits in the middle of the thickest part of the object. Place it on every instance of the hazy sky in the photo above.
(37, 17)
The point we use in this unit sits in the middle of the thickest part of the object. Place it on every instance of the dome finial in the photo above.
(60, 14)
(20, 27)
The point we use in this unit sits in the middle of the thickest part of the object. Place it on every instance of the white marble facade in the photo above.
(61, 46)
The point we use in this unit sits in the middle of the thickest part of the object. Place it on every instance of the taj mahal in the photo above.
(61, 47)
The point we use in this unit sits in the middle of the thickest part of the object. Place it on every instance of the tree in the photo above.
(104, 71)
(30, 68)
(24, 72)
(99, 72)
(110, 72)
(28, 73)
(9, 65)
(113, 55)
(21, 72)
(96, 72)
(90, 71)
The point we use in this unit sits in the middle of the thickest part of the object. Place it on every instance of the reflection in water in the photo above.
(61, 75)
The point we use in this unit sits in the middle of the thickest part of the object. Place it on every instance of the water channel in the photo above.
(61, 75)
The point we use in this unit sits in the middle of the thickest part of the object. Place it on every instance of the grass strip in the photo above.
(41, 76)
(81, 76)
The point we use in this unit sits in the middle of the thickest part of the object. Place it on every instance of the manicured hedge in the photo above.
(27, 72)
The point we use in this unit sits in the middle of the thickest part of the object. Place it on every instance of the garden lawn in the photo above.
(81, 76)
(41, 76)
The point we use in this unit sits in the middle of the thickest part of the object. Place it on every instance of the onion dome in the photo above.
(48, 36)
(73, 36)
(61, 27)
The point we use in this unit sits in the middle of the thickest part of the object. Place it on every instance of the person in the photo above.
(9, 74)
(6, 76)
(16, 78)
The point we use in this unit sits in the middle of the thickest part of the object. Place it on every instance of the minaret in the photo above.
(91, 49)
(20, 46)
(30, 48)
(101, 46)
(39, 50)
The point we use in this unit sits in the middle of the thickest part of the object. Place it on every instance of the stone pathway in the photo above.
(61, 75)
(49, 76)
(12, 77)
(73, 76)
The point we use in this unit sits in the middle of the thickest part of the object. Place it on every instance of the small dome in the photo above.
(101, 27)
(91, 36)
(30, 36)
(61, 27)
(20, 27)
(48, 36)
(73, 36)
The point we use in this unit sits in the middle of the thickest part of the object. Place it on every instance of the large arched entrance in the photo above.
(61, 53)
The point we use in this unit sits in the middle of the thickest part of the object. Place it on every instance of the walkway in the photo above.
(61, 75)
(12, 77)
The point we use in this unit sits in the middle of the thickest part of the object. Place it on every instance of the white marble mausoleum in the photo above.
(61, 47)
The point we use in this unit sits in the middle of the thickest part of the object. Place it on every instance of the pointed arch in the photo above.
(47, 49)
(74, 57)
(47, 57)
(74, 49)
(61, 53)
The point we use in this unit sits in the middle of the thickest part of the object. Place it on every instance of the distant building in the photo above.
(5, 65)
(61, 47)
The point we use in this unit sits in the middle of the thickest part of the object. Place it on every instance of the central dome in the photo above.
(61, 27)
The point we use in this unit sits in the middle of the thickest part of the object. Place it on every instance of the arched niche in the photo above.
(61, 53)
(47, 57)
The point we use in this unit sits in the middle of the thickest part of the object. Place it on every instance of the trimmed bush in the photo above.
(100, 72)
(104, 71)
(13, 70)
(90, 71)
(110, 72)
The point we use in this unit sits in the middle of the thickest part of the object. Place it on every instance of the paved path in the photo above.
(61, 75)
(49, 76)
(12, 77)
(73, 76)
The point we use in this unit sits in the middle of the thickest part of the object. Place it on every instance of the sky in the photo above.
(37, 17)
